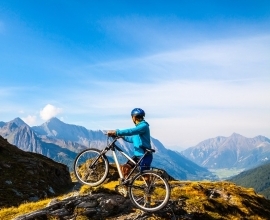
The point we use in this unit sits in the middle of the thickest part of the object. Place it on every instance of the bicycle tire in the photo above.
(94, 176)
(149, 195)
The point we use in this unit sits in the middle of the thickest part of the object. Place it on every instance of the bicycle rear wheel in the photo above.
(87, 172)
(149, 191)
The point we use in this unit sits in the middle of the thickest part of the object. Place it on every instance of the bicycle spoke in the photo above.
(88, 169)
(149, 191)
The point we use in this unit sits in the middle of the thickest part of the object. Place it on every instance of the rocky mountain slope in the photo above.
(20, 134)
(189, 200)
(257, 178)
(27, 176)
(235, 151)
(62, 142)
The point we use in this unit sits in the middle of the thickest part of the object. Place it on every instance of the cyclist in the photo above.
(140, 137)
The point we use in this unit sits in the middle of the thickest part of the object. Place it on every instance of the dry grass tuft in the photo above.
(12, 212)
(212, 200)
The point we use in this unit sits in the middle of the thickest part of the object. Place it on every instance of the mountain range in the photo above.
(62, 142)
(235, 151)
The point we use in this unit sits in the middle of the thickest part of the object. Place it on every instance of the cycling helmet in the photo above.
(137, 112)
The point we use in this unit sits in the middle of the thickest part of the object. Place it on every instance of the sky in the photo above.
(199, 69)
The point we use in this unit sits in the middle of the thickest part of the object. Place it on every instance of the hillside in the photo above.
(189, 201)
(21, 135)
(257, 178)
(235, 151)
(27, 176)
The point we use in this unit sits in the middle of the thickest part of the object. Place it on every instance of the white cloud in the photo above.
(30, 120)
(223, 52)
(49, 111)
(230, 58)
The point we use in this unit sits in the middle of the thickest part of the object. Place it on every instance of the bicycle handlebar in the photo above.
(150, 150)
(113, 136)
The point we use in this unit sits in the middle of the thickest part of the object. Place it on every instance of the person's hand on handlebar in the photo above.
(111, 133)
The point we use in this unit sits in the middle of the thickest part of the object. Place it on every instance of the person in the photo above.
(140, 137)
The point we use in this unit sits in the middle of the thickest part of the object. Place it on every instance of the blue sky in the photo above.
(199, 69)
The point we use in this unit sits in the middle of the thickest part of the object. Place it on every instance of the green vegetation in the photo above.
(27, 207)
(11, 212)
(257, 178)
(218, 200)
(210, 200)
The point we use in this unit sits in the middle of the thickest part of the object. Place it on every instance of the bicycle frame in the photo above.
(112, 146)
(148, 190)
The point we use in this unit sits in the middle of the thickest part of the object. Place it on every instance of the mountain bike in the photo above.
(147, 189)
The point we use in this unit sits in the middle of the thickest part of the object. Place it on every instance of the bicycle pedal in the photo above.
(125, 182)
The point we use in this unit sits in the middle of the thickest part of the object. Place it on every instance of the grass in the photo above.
(27, 207)
(106, 187)
(233, 201)
(12, 212)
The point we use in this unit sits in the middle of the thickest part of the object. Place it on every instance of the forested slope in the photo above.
(257, 178)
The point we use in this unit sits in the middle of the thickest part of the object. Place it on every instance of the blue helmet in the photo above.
(137, 112)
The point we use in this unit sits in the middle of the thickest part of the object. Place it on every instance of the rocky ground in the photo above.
(189, 201)
(27, 176)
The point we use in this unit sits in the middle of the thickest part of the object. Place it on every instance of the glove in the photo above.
(111, 133)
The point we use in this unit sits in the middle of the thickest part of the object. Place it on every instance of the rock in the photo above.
(53, 202)
(32, 176)
(33, 199)
(59, 213)
(90, 204)
(94, 206)
(40, 214)
(8, 182)
(188, 201)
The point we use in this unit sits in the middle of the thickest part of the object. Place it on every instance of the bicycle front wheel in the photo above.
(90, 167)
(149, 191)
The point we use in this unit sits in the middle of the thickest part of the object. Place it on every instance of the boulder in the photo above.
(27, 176)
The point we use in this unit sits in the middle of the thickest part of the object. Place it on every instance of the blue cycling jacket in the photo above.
(139, 136)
